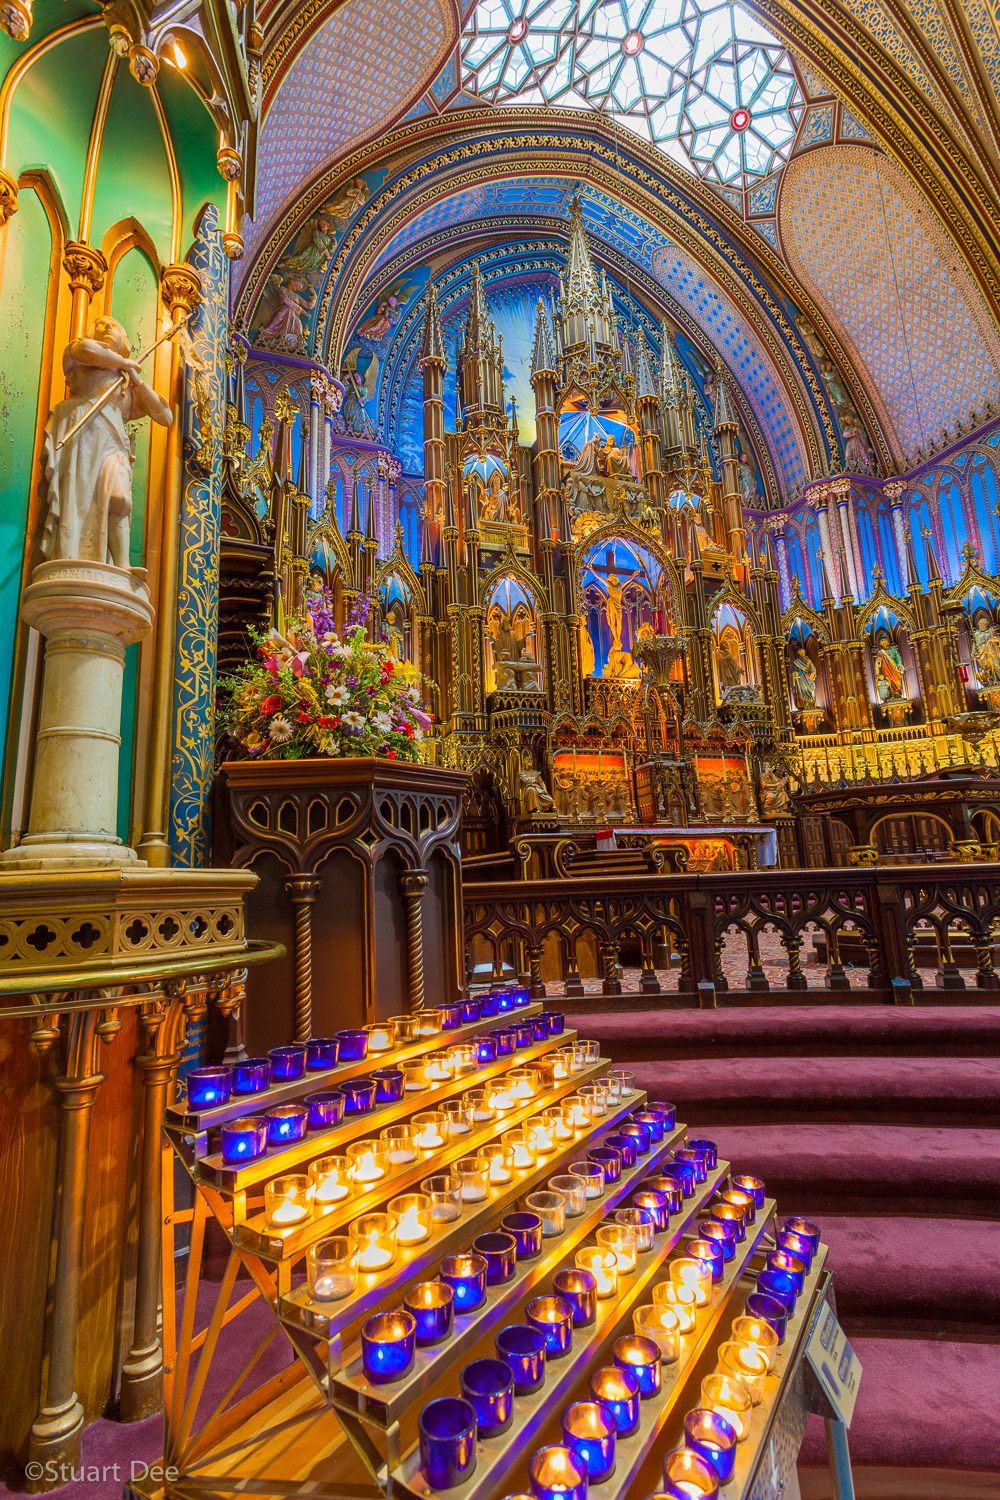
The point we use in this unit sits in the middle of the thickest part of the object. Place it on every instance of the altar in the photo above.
(737, 846)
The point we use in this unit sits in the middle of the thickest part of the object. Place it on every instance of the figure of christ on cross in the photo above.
(615, 590)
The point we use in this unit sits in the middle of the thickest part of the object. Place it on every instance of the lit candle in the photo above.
(654, 1121)
(728, 1213)
(805, 1227)
(579, 1289)
(439, 1067)
(244, 1140)
(332, 1269)
(618, 1390)
(642, 1357)
(523, 1083)
(542, 1136)
(710, 1255)
(790, 1265)
(680, 1300)
(621, 1239)
(374, 1236)
(689, 1476)
(662, 1326)
(748, 1365)
(381, 1036)
(286, 1201)
(754, 1333)
(740, 1200)
(520, 1144)
(588, 1428)
(655, 1204)
(580, 1109)
(557, 1473)
(500, 1160)
(710, 1435)
(412, 1212)
(723, 1235)
(602, 1265)
(388, 1344)
(400, 1147)
(368, 1160)
(730, 1398)
(209, 1086)
(286, 1123)
(694, 1274)
(501, 1101)
(466, 1275)
(431, 1305)
(795, 1244)
(429, 1130)
(331, 1178)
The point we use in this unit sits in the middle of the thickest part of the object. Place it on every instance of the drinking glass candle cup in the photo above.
(723, 1235)
(431, 1305)
(591, 1051)
(642, 1357)
(769, 1310)
(406, 1029)
(400, 1147)
(499, 1251)
(415, 1076)
(748, 1365)
(710, 1255)
(244, 1140)
(209, 1086)
(287, 1063)
(591, 1174)
(464, 1059)
(388, 1344)
(613, 1087)
(626, 1146)
(795, 1244)
(751, 1185)
(522, 1348)
(287, 1201)
(374, 1238)
(324, 1109)
(641, 1224)
(445, 1194)
(479, 1102)
(368, 1158)
(581, 1109)
(523, 1083)
(332, 1269)
(551, 1209)
(331, 1178)
(557, 1473)
(754, 1333)
(781, 1260)
(661, 1325)
(686, 1271)
(654, 1203)
(573, 1189)
(447, 1433)
(654, 1121)
(728, 1213)
(486, 1049)
(428, 1023)
(680, 1301)
(472, 1010)
(388, 1085)
(671, 1189)
(458, 1116)
(473, 1173)
(602, 1265)
(520, 1144)
(251, 1076)
(412, 1212)
(439, 1067)
(781, 1286)
(381, 1036)
(526, 1231)
(742, 1201)
(562, 1120)
(553, 1317)
(588, 1428)
(579, 1289)
(609, 1161)
(466, 1275)
(710, 1435)
(286, 1122)
(430, 1130)
(621, 1239)
(597, 1094)
(353, 1045)
(730, 1398)
(500, 1160)
(618, 1390)
(501, 1097)
(689, 1476)
(625, 1081)
(806, 1228)
(708, 1149)
(542, 1134)
(488, 1386)
(359, 1095)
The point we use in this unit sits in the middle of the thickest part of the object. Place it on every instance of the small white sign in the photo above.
(836, 1366)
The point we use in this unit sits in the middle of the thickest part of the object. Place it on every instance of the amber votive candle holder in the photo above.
(748, 1365)
(368, 1159)
(755, 1333)
(287, 1201)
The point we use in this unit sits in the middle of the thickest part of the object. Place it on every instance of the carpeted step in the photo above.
(804, 1031)
(922, 1404)
(864, 1090)
(915, 1276)
(865, 1169)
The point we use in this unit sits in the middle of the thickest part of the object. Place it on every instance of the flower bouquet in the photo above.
(312, 692)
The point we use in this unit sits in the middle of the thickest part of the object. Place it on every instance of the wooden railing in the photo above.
(881, 921)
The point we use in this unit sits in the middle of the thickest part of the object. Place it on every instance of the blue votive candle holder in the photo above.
(488, 1386)
(489, 1005)
(431, 1305)
(653, 1122)
(540, 1027)
(388, 1085)
(326, 1108)
(666, 1112)
(353, 1045)
(286, 1063)
(710, 1435)
(525, 1229)
(466, 1275)
(795, 1244)
(709, 1150)
(522, 1348)
(505, 1000)
(252, 1075)
(671, 1188)
(506, 1040)
(359, 1095)
(525, 1034)
(641, 1134)
(781, 1286)
(556, 1020)
(486, 1049)
(687, 1474)
(626, 1147)
(655, 1204)
(322, 1052)
(588, 1428)
(752, 1185)
(642, 1357)
(557, 1473)
(609, 1161)
(447, 1432)
(471, 1010)
(553, 1317)
(782, 1260)
(723, 1235)
(499, 1251)
(769, 1310)
(709, 1252)
(388, 1344)
(683, 1172)
(522, 997)
(618, 1390)
(285, 1123)
(208, 1086)
(697, 1159)
(805, 1227)
(451, 1016)
(727, 1213)
(244, 1140)
(579, 1289)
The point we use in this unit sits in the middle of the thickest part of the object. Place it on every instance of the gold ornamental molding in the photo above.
(85, 266)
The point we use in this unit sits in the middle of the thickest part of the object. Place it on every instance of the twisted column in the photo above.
(413, 883)
(303, 890)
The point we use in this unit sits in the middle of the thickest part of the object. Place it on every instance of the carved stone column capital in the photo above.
(180, 289)
(85, 266)
(8, 196)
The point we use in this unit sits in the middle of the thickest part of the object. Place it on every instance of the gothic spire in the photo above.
(933, 574)
(723, 414)
(478, 323)
(645, 383)
(543, 355)
(432, 347)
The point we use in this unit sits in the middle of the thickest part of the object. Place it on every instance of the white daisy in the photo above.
(382, 722)
(354, 720)
(280, 731)
(337, 696)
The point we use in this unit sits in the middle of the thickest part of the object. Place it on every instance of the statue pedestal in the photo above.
(88, 612)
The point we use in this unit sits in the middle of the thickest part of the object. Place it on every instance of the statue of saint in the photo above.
(284, 330)
(728, 664)
(986, 655)
(749, 490)
(494, 499)
(315, 253)
(804, 680)
(775, 799)
(88, 481)
(857, 453)
(535, 795)
(890, 674)
(587, 659)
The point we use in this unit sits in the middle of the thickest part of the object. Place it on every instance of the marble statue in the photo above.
(804, 680)
(775, 798)
(730, 670)
(88, 479)
(535, 795)
(857, 452)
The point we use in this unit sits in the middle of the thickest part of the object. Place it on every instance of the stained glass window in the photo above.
(890, 557)
(868, 552)
(953, 525)
(986, 516)
(813, 547)
(701, 79)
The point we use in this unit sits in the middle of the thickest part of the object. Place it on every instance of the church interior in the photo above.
(500, 781)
